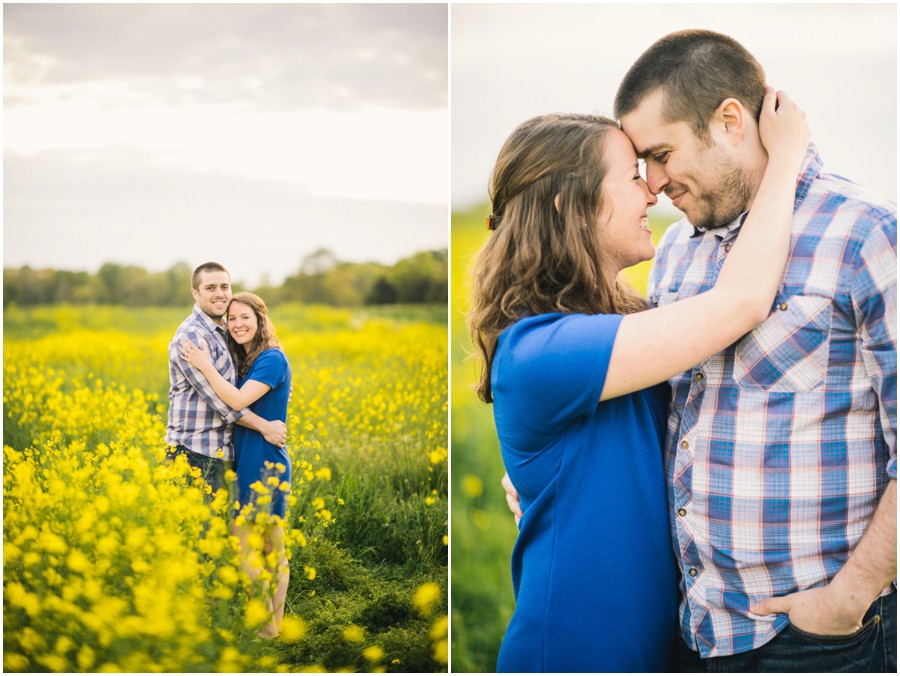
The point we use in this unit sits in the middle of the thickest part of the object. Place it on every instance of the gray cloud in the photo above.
(279, 56)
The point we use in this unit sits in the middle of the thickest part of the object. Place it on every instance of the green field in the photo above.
(109, 564)
(483, 530)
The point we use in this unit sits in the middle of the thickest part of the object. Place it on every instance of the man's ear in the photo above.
(730, 118)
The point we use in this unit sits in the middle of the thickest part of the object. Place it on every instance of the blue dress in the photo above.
(255, 458)
(593, 567)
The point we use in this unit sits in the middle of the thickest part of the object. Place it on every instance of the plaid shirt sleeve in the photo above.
(873, 290)
(199, 382)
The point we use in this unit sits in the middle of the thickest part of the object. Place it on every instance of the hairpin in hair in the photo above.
(491, 222)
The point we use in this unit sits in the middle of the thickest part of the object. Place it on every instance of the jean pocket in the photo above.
(789, 351)
(860, 634)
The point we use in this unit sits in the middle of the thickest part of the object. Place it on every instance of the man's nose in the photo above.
(657, 179)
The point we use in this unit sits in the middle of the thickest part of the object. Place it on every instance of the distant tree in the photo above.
(382, 293)
(421, 278)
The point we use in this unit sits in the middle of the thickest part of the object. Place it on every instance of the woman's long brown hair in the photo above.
(544, 254)
(265, 334)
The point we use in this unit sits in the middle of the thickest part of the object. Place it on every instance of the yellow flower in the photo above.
(472, 485)
(373, 653)
(354, 634)
(440, 651)
(293, 629)
(78, 562)
(438, 628)
(85, 658)
(256, 614)
(14, 662)
(230, 661)
(228, 575)
(426, 596)
(310, 572)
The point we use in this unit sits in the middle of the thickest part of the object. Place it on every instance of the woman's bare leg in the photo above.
(252, 562)
(281, 574)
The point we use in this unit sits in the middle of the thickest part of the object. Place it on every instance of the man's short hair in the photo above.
(696, 70)
(207, 267)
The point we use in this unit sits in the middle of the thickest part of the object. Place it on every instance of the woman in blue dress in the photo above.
(575, 365)
(263, 470)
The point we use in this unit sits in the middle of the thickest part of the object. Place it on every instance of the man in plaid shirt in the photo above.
(199, 423)
(781, 451)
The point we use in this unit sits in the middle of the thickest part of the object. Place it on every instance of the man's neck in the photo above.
(757, 163)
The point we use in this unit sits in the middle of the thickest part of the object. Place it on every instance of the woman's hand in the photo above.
(783, 129)
(198, 357)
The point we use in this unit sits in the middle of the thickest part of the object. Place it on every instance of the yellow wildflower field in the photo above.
(113, 560)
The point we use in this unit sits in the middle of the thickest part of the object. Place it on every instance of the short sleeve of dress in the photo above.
(270, 368)
(550, 369)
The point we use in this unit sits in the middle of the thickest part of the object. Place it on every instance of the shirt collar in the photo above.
(208, 321)
(809, 169)
(723, 230)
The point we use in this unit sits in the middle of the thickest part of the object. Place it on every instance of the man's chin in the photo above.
(706, 221)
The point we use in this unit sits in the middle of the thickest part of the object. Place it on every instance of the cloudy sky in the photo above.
(509, 63)
(250, 134)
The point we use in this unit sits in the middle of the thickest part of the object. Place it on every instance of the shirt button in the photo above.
(684, 444)
(727, 248)
(692, 572)
(682, 512)
(698, 377)
(783, 307)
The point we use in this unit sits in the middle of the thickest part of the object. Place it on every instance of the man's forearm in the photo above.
(873, 562)
(273, 431)
(252, 421)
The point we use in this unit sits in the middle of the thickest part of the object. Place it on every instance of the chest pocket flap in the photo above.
(789, 351)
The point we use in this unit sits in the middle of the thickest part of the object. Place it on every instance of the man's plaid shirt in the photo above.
(779, 447)
(198, 419)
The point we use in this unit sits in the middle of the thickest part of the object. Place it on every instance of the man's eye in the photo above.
(661, 157)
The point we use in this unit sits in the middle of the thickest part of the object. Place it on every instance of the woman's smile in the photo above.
(242, 323)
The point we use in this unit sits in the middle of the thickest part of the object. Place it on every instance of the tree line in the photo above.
(321, 278)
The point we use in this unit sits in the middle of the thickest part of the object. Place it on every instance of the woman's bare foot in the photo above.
(268, 632)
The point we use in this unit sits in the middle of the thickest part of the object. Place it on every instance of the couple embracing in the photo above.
(706, 479)
(229, 385)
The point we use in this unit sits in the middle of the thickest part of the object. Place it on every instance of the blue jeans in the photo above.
(212, 470)
(872, 649)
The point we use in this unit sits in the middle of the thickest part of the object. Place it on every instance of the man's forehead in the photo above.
(647, 127)
(214, 277)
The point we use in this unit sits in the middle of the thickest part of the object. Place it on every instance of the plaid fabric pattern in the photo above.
(198, 419)
(779, 447)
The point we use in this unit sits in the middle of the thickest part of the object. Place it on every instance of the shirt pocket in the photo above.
(789, 351)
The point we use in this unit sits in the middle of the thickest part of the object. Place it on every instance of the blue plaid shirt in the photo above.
(198, 418)
(779, 447)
